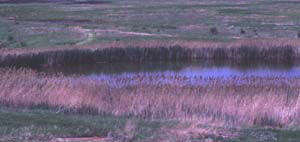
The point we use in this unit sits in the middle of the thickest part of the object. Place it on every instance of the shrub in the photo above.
(213, 30)
(255, 32)
(10, 38)
(242, 31)
(17, 23)
(23, 44)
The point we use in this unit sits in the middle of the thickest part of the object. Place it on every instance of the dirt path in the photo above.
(200, 130)
(132, 33)
(88, 35)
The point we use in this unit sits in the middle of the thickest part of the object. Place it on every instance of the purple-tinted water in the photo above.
(187, 69)
(229, 71)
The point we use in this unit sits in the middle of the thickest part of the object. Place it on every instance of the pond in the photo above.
(187, 69)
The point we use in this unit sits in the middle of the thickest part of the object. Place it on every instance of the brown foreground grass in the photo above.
(268, 101)
(271, 50)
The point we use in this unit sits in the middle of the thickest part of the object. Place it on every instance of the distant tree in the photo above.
(213, 30)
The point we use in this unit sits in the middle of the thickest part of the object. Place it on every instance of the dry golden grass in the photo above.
(269, 101)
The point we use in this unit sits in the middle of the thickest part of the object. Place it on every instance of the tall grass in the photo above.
(239, 51)
(271, 101)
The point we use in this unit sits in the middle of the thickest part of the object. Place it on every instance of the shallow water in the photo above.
(187, 69)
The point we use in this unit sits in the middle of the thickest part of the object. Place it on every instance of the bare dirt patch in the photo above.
(200, 130)
(87, 139)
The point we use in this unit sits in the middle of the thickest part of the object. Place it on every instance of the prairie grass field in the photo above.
(149, 71)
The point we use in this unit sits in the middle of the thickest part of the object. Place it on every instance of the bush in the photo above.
(10, 38)
(23, 44)
(213, 30)
(242, 31)
(255, 32)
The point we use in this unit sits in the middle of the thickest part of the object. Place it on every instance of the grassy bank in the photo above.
(236, 101)
(275, 51)
(41, 125)
(44, 23)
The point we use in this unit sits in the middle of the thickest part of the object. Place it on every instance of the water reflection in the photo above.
(189, 69)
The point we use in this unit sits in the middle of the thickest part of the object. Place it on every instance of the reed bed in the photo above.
(259, 101)
(270, 50)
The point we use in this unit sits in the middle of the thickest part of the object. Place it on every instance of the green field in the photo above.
(37, 24)
(46, 125)
(38, 125)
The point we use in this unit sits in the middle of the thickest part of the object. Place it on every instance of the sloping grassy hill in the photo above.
(41, 23)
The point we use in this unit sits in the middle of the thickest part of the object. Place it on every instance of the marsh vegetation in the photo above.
(122, 71)
(272, 51)
(230, 105)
